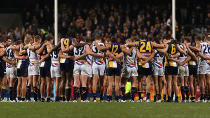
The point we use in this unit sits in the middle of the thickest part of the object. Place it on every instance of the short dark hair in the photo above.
(49, 37)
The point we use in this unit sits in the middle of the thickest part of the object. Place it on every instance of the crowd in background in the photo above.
(112, 17)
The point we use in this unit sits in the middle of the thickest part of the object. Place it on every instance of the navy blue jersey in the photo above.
(44, 52)
(172, 48)
(115, 49)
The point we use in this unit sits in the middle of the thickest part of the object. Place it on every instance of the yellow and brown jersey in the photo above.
(145, 48)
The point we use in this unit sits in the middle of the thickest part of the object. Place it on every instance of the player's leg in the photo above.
(76, 86)
(202, 85)
(208, 85)
(95, 80)
(42, 87)
(84, 89)
(148, 86)
(48, 83)
(35, 90)
(174, 79)
(24, 83)
(117, 81)
(57, 82)
(169, 87)
(62, 83)
(95, 83)
(19, 85)
(68, 85)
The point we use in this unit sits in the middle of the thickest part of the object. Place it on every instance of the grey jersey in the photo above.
(98, 60)
(130, 60)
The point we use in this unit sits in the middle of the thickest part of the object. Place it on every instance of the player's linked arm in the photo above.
(13, 62)
(182, 51)
(17, 56)
(126, 51)
(149, 58)
(203, 56)
(102, 48)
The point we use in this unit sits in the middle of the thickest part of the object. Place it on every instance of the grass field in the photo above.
(104, 110)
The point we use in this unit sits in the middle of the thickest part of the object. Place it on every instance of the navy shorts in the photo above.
(169, 70)
(23, 70)
(1, 70)
(45, 71)
(114, 71)
(193, 70)
(67, 67)
(145, 71)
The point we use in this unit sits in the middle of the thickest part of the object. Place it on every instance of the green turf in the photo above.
(104, 110)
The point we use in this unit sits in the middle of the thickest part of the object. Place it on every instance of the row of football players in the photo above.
(161, 60)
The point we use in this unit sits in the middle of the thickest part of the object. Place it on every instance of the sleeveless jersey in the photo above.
(78, 51)
(182, 57)
(130, 60)
(98, 60)
(172, 49)
(158, 59)
(115, 50)
(145, 48)
(205, 50)
(33, 57)
(9, 55)
(67, 43)
(22, 61)
(55, 58)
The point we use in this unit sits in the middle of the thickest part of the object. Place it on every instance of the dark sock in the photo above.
(123, 93)
(94, 96)
(3, 93)
(109, 98)
(19, 98)
(28, 93)
(11, 93)
(68, 93)
(23, 99)
(201, 97)
(155, 98)
(139, 95)
(187, 92)
(205, 96)
(133, 92)
(148, 96)
(169, 98)
(183, 92)
(35, 93)
(48, 99)
(38, 94)
(56, 99)
(176, 99)
(158, 97)
(76, 93)
(116, 98)
(164, 97)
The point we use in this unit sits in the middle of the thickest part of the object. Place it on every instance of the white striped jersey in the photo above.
(158, 59)
(98, 60)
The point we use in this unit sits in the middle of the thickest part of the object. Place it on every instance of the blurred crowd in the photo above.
(112, 17)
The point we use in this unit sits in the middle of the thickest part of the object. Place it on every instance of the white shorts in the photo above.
(183, 71)
(128, 72)
(89, 70)
(204, 69)
(55, 71)
(208, 69)
(81, 69)
(33, 69)
(158, 71)
(11, 72)
(98, 69)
